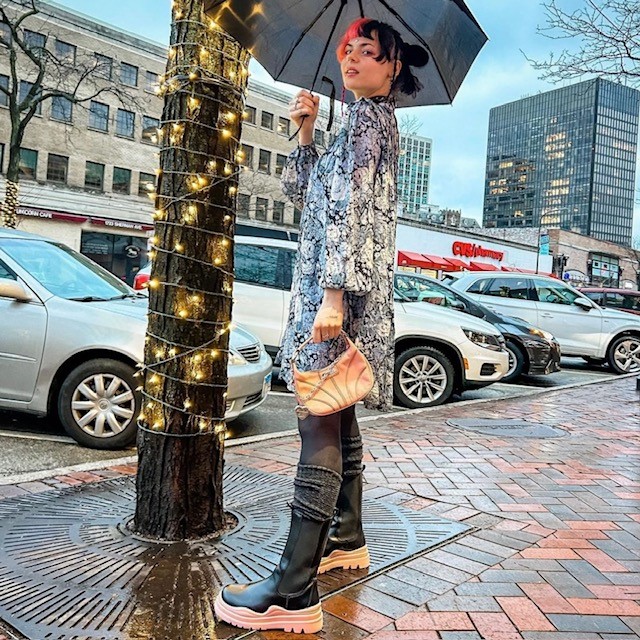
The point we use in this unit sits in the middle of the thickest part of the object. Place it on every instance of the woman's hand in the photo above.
(328, 322)
(304, 104)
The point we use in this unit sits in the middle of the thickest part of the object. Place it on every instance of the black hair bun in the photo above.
(415, 55)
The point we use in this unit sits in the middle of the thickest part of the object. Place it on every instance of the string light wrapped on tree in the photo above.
(182, 424)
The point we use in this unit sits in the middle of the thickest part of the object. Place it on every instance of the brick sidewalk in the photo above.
(556, 553)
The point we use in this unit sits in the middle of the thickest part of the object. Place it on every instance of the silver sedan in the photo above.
(72, 335)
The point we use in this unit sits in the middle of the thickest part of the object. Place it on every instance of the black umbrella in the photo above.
(295, 40)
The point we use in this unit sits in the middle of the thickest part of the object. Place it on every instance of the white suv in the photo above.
(581, 326)
(438, 351)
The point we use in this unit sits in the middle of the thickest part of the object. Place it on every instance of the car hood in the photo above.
(439, 314)
(619, 316)
(138, 308)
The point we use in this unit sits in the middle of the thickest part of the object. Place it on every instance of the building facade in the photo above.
(565, 159)
(414, 172)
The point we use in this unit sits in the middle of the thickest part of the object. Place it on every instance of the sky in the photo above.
(500, 74)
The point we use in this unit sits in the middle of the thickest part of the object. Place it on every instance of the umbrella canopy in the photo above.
(295, 40)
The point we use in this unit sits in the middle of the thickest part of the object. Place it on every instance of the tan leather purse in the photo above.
(343, 383)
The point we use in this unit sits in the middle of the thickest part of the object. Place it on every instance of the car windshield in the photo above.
(64, 272)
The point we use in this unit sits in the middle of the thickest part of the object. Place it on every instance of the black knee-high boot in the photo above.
(346, 547)
(288, 599)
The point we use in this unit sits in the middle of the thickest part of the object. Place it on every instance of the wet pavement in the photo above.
(552, 549)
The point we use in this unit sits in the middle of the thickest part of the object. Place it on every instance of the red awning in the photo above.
(412, 259)
(438, 262)
(458, 265)
(482, 266)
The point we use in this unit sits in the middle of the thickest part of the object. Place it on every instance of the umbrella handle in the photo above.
(331, 107)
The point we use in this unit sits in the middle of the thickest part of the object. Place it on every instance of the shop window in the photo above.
(103, 67)
(146, 184)
(128, 74)
(262, 205)
(61, 109)
(125, 123)
(94, 176)
(28, 163)
(99, 116)
(121, 180)
(122, 255)
(264, 164)
(57, 168)
(150, 128)
(266, 120)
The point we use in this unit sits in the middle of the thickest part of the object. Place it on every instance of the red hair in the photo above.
(355, 29)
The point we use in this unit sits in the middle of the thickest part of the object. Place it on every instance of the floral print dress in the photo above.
(347, 241)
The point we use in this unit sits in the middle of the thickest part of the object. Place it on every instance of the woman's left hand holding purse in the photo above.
(328, 322)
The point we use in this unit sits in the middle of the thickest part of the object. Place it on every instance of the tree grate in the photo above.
(70, 570)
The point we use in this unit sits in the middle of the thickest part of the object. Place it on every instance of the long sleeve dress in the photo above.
(347, 241)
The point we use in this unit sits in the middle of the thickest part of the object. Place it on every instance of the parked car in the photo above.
(532, 351)
(438, 351)
(621, 299)
(72, 334)
(581, 326)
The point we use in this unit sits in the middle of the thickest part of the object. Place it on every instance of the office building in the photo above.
(414, 170)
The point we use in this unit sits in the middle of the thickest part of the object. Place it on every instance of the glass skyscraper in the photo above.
(414, 168)
(565, 159)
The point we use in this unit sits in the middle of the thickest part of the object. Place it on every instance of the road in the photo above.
(29, 444)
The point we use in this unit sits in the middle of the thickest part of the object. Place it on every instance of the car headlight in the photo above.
(542, 333)
(236, 358)
(486, 340)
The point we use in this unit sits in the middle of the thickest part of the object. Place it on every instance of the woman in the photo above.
(343, 278)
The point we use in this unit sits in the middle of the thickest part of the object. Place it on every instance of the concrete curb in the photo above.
(239, 442)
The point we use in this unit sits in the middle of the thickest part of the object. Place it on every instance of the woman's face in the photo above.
(362, 74)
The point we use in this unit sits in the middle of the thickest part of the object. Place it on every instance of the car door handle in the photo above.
(547, 315)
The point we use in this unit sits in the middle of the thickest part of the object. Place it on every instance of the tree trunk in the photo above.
(182, 428)
(9, 208)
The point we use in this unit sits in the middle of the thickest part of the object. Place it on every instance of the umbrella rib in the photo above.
(343, 4)
(301, 38)
(361, 9)
(402, 21)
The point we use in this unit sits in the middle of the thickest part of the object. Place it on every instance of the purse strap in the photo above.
(309, 340)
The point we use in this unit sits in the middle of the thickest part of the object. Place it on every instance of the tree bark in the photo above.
(181, 439)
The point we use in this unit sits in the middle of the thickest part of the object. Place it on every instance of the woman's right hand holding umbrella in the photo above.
(303, 110)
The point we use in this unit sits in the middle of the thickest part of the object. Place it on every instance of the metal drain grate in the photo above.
(508, 428)
(69, 570)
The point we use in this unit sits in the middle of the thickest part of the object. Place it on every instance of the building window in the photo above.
(128, 74)
(250, 115)
(151, 81)
(280, 162)
(318, 137)
(4, 98)
(264, 163)
(284, 126)
(94, 176)
(57, 168)
(243, 204)
(150, 128)
(278, 211)
(28, 163)
(34, 41)
(104, 67)
(247, 156)
(266, 121)
(261, 208)
(65, 52)
(297, 214)
(604, 270)
(125, 123)
(99, 116)
(146, 184)
(121, 180)
(25, 88)
(61, 109)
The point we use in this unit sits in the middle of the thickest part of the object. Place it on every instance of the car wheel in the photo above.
(516, 362)
(596, 362)
(624, 354)
(423, 377)
(98, 404)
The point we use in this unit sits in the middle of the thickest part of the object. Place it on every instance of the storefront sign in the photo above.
(46, 214)
(121, 224)
(471, 250)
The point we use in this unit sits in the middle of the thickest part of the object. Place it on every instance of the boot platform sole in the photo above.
(338, 559)
(308, 620)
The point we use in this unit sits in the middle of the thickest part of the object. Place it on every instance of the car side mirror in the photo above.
(13, 289)
(583, 303)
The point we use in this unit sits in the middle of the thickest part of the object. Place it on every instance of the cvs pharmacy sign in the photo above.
(471, 250)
